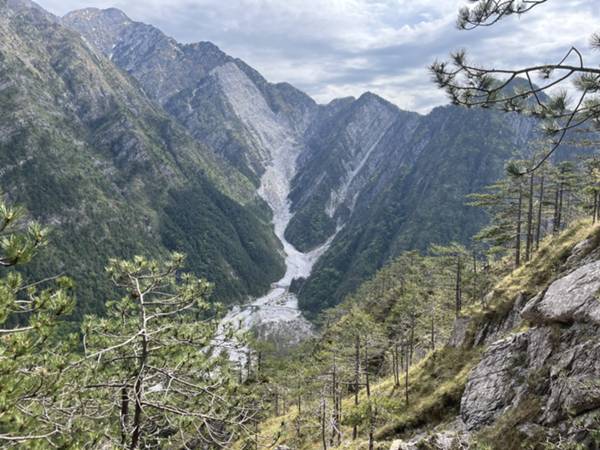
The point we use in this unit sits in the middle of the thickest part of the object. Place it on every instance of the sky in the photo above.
(340, 48)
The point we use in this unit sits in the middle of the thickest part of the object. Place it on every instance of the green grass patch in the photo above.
(505, 433)
(436, 385)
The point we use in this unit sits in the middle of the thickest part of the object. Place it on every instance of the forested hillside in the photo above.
(85, 151)
(459, 349)
(418, 200)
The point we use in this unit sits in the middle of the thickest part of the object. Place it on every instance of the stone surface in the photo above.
(493, 330)
(443, 440)
(493, 385)
(555, 365)
(459, 334)
(573, 298)
(557, 368)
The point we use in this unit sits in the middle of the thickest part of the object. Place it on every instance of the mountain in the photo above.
(368, 180)
(91, 155)
(209, 92)
(405, 190)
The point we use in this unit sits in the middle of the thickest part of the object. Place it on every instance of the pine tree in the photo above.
(591, 186)
(31, 355)
(148, 378)
(514, 90)
(503, 201)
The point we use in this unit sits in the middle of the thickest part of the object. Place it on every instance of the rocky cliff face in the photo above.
(408, 192)
(206, 90)
(538, 380)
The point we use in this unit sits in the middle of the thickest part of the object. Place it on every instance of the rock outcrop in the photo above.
(571, 299)
(549, 375)
(539, 376)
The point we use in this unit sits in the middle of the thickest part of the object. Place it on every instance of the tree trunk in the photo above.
(356, 380)
(539, 214)
(323, 412)
(371, 428)
(339, 417)
(458, 290)
(367, 380)
(518, 234)
(334, 396)
(406, 367)
(560, 208)
(139, 382)
(124, 414)
(475, 288)
(529, 243)
(368, 387)
(411, 341)
(433, 329)
(395, 362)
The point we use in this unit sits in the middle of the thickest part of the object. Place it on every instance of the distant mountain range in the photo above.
(128, 141)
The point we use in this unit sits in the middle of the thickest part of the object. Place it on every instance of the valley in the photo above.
(193, 256)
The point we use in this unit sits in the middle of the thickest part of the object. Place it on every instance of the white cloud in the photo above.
(336, 48)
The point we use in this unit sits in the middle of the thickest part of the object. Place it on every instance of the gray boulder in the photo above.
(570, 299)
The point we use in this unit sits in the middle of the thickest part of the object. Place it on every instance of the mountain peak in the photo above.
(102, 27)
(108, 15)
(28, 6)
(370, 97)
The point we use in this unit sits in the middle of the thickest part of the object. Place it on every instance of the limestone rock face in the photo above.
(553, 371)
(550, 374)
(496, 384)
(459, 335)
(463, 336)
(569, 299)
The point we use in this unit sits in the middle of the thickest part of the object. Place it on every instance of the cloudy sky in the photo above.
(337, 48)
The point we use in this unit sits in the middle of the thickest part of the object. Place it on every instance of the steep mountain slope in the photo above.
(405, 191)
(89, 153)
(520, 370)
(198, 84)
(535, 383)
(257, 126)
(346, 150)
